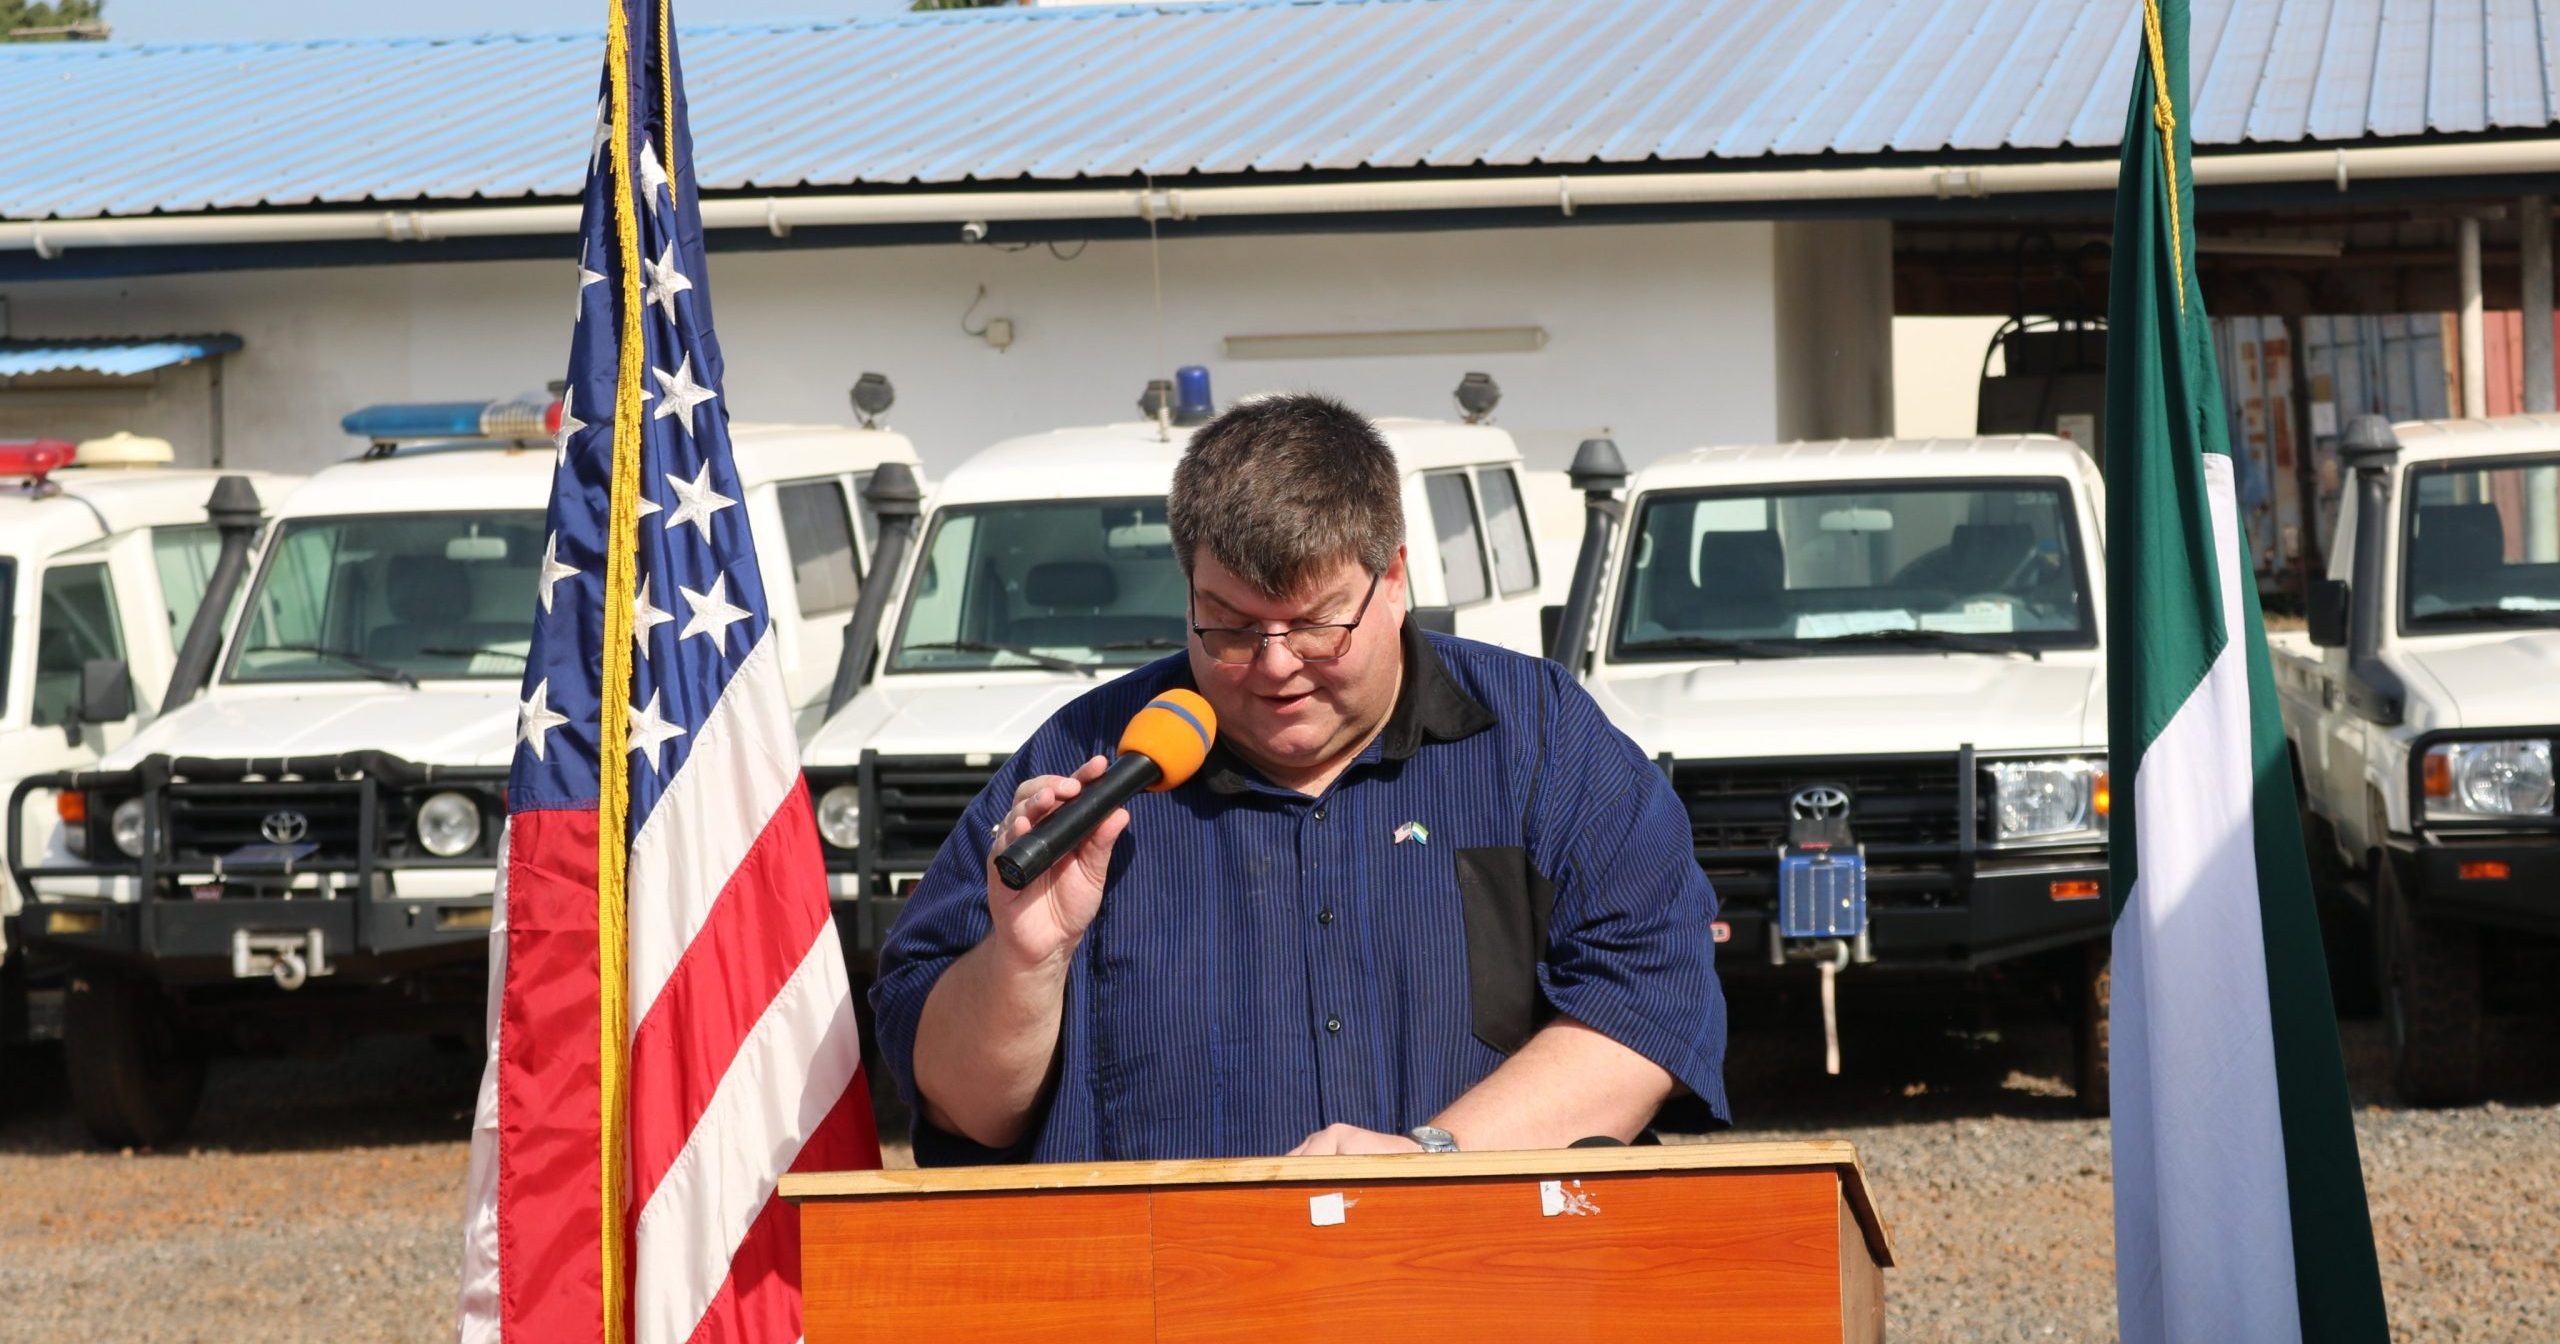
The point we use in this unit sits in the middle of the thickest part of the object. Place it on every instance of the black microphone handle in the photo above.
(1058, 833)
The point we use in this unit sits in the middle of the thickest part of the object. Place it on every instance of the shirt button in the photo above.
(1319, 814)
(1333, 1024)
(1324, 917)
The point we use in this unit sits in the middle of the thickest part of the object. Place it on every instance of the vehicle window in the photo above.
(1926, 565)
(1453, 518)
(820, 534)
(426, 595)
(75, 622)
(184, 557)
(2483, 545)
(1062, 584)
(1506, 526)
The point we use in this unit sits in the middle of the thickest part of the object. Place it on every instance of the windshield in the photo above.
(393, 597)
(1069, 585)
(1927, 566)
(2483, 546)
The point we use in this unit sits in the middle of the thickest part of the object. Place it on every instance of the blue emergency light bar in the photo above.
(522, 418)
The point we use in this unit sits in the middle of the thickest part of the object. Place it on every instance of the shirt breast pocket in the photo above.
(1506, 902)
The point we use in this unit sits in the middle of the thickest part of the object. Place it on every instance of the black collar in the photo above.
(1430, 705)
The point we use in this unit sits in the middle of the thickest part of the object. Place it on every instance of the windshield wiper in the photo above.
(1050, 661)
(379, 671)
(1155, 642)
(1730, 648)
(475, 652)
(2496, 615)
(1936, 639)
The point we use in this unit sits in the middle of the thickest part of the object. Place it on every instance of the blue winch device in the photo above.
(1822, 870)
(1822, 893)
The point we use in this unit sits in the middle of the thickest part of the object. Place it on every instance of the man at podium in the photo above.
(1420, 894)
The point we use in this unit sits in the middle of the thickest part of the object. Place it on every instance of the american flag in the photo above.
(671, 1026)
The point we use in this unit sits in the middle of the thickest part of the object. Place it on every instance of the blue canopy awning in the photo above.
(120, 356)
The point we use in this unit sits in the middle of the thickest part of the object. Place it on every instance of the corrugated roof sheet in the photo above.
(117, 356)
(1253, 86)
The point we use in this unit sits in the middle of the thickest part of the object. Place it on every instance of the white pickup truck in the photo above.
(105, 552)
(1875, 672)
(2422, 707)
(1046, 564)
(307, 851)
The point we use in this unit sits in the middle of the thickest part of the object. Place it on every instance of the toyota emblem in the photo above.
(284, 828)
(1819, 802)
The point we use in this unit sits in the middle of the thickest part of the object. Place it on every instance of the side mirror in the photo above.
(106, 696)
(2328, 613)
(1441, 619)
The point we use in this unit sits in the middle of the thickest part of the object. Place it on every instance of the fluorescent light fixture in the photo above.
(1373, 344)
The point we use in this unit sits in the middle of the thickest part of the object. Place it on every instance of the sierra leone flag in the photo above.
(2240, 1209)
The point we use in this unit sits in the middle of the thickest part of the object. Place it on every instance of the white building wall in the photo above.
(1666, 336)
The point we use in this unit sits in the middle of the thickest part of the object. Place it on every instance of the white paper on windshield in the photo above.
(1977, 618)
(1834, 624)
(2527, 604)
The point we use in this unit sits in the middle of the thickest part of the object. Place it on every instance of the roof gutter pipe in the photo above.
(1564, 194)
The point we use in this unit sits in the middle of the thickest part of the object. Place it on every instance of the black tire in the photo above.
(135, 1074)
(2430, 975)
(2093, 996)
(2346, 932)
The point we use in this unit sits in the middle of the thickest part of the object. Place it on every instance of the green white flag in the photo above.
(2240, 1209)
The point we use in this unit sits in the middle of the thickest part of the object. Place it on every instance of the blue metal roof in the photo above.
(1247, 87)
(117, 356)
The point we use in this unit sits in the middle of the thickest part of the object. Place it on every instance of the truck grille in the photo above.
(1742, 807)
(919, 801)
(209, 821)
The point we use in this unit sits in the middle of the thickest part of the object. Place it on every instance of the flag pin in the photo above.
(1414, 831)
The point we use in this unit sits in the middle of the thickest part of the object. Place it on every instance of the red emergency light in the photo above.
(35, 457)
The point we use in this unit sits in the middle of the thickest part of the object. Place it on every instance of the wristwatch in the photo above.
(1433, 1138)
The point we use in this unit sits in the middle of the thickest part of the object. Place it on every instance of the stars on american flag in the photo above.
(690, 554)
(696, 501)
(535, 718)
(650, 730)
(679, 394)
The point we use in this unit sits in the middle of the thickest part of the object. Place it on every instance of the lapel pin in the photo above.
(1414, 831)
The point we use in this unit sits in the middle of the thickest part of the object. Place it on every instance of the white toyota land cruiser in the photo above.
(2422, 708)
(307, 850)
(1874, 672)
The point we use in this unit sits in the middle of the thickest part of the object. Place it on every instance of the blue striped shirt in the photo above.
(1267, 963)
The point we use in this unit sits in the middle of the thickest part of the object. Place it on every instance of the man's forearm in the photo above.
(1569, 1082)
(987, 1043)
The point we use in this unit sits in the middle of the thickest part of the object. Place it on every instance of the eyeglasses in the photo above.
(1306, 643)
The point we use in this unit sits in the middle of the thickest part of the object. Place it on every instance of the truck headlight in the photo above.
(840, 816)
(125, 826)
(449, 824)
(2048, 800)
(2489, 779)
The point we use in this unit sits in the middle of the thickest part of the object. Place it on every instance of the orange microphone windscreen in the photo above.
(1174, 731)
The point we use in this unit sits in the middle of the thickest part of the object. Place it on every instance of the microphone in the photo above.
(1162, 747)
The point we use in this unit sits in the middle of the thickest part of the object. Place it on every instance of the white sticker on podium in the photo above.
(1326, 1210)
(1559, 1197)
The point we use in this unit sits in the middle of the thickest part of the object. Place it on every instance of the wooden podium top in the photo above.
(1749, 1155)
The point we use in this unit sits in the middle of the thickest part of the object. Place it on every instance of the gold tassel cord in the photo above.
(2164, 114)
(613, 801)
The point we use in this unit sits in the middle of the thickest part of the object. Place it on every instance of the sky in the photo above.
(267, 20)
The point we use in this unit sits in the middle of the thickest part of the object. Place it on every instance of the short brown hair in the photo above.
(1280, 488)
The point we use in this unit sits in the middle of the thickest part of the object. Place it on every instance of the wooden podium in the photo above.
(1731, 1242)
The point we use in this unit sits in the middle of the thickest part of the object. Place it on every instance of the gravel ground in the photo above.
(319, 1198)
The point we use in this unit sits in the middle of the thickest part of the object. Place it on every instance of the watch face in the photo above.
(1433, 1139)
